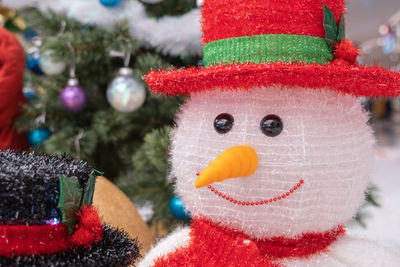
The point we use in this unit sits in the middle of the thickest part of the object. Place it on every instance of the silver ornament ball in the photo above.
(50, 65)
(125, 93)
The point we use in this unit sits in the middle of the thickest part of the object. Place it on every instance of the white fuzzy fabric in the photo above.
(177, 239)
(174, 36)
(325, 141)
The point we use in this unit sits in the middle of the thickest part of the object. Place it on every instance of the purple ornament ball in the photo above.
(73, 97)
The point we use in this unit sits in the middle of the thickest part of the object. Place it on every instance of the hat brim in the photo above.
(340, 76)
(114, 249)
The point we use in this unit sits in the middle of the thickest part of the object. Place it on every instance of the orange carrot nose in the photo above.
(235, 162)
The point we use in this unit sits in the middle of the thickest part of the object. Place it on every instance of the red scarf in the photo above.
(214, 245)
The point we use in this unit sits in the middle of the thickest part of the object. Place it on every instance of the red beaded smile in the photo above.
(262, 202)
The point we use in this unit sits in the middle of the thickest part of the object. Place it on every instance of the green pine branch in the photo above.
(148, 182)
(371, 199)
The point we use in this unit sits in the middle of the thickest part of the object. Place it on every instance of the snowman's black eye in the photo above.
(223, 123)
(271, 125)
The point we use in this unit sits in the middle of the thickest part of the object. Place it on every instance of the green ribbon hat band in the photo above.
(268, 48)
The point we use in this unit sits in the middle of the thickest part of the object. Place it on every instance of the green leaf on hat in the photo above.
(331, 28)
(70, 200)
(89, 190)
(342, 32)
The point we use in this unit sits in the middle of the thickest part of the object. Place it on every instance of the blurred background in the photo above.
(375, 27)
(85, 95)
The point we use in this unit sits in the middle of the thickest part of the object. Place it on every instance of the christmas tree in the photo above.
(98, 115)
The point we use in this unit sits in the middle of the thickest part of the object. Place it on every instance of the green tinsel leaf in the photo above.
(331, 29)
(89, 191)
(342, 32)
(70, 200)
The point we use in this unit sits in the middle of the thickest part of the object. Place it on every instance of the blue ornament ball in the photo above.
(29, 92)
(177, 209)
(29, 33)
(110, 3)
(32, 61)
(30, 95)
(38, 136)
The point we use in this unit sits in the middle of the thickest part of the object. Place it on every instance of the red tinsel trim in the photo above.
(214, 245)
(25, 240)
(223, 19)
(355, 80)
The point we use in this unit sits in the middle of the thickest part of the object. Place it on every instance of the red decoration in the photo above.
(355, 80)
(347, 51)
(214, 245)
(88, 229)
(33, 239)
(224, 19)
(230, 199)
(48, 239)
(12, 65)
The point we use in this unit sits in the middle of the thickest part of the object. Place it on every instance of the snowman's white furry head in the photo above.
(325, 142)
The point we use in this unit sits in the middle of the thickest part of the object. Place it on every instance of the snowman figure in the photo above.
(272, 150)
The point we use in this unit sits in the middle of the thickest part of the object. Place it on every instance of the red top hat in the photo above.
(251, 43)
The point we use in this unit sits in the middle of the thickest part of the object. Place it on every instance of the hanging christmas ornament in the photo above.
(73, 96)
(177, 209)
(41, 133)
(29, 88)
(38, 136)
(29, 91)
(111, 3)
(33, 56)
(29, 34)
(50, 65)
(125, 93)
(48, 62)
